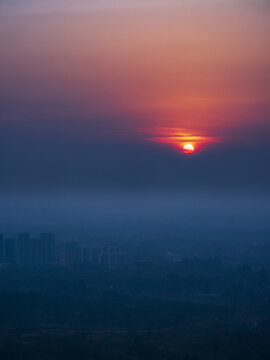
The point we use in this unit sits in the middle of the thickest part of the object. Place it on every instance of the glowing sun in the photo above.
(188, 148)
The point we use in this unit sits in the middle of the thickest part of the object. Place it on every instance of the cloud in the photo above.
(77, 89)
(178, 137)
(51, 6)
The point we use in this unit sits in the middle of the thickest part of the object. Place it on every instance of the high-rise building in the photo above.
(117, 259)
(10, 251)
(108, 256)
(96, 255)
(46, 249)
(69, 253)
(34, 252)
(24, 249)
(1, 248)
(40, 251)
(86, 255)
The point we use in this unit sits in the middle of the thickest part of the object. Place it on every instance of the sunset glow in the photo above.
(182, 139)
(188, 149)
(91, 82)
(116, 66)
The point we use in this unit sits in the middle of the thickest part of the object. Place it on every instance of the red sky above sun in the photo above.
(200, 66)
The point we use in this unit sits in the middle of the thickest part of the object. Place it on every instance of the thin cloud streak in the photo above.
(24, 7)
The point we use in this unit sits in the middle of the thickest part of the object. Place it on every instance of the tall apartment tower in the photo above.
(69, 253)
(10, 250)
(46, 249)
(1, 248)
(24, 249)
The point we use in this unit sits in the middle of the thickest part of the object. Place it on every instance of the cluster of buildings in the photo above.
(27, 251)
(43, 250)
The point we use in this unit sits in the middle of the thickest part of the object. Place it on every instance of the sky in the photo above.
(101, 96)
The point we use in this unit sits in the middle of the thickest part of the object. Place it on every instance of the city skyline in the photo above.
(44, 251)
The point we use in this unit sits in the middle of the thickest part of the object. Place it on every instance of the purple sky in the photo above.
(85, 85)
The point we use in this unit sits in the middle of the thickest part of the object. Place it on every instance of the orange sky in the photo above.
(203, 67)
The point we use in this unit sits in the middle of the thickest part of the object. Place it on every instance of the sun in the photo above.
(188, 148)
